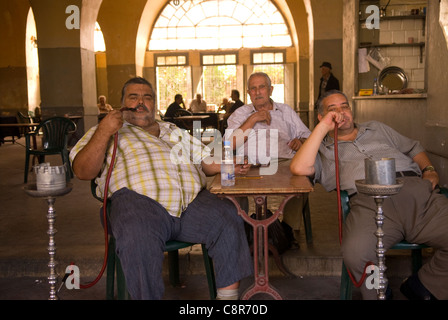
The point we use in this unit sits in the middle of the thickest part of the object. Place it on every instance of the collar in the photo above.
(274, 106)
(165, 127)
(362, 128)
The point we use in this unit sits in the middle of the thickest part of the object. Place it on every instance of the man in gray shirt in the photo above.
(418, 213)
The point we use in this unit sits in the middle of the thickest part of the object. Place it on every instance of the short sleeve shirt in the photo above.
(166, 168)
(375, 141)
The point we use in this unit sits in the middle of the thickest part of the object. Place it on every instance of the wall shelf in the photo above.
(388, 45)
(393, 96)
(415, 16)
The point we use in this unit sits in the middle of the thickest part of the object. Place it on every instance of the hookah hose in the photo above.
(106, 239)
(338, 188)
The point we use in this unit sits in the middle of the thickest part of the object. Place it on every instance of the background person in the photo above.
(198, 105)
(327, 82)
(103, 107)
(174, 107)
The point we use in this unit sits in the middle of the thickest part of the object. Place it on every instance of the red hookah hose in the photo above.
(106, 234)
(338, 189)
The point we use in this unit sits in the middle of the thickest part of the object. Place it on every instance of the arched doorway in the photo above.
(32, 63)
(234, 30)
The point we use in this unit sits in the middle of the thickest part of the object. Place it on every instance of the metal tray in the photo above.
(394, 78)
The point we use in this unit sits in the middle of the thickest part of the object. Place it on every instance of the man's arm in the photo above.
(210, 169)
(304, 159)
(89, 161)
(242, 136)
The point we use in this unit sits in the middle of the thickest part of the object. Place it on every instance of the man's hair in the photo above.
(320, 106)
(177, 96)
(136, 80)
(236, 93)
(268, 80)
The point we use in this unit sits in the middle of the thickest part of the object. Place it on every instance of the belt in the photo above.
(406, 174)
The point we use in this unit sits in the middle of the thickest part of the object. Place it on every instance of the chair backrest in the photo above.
(182, 112)
(24, 118)
(55, 132)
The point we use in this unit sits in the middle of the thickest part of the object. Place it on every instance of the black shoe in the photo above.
(413, 289)
(389, 294)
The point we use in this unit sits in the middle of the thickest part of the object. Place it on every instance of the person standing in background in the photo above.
(327, 82)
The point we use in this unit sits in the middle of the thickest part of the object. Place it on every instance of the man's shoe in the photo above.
(413, 289)
(389, 294)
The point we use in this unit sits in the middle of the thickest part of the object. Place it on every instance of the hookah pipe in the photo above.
(106, 189)
(338, 189)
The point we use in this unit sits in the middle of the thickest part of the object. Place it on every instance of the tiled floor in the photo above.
(80, 240)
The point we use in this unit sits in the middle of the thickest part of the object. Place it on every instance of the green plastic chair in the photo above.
(416, 250)
(54, 141)
(171, 247)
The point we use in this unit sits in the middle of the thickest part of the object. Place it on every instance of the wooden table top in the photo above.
(194, 117)
(282, 182)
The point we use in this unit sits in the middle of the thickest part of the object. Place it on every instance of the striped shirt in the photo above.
(161, 168)
(375, 140)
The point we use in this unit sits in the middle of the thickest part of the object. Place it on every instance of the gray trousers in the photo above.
(416, 214)
(141, 226)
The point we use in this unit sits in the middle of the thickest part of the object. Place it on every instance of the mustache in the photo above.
(138, 107)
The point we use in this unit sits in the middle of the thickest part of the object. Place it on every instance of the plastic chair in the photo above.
(54, 141)
(171, 247)
(416, 251)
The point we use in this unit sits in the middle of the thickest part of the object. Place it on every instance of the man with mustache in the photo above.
(263, 114)
(418, 213)
(155, 199)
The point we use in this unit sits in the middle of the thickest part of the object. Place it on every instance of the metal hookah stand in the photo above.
(50, 183)
(380, 183)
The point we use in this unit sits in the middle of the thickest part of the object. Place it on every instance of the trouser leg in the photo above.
(141, 226)
(216, 223)
(415, 214)
(359, 240)
(431, 229)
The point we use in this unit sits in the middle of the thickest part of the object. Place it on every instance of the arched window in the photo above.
(219, 24)
(224, 26)
(99, 45)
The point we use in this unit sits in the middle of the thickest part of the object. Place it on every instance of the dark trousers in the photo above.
(141, 226)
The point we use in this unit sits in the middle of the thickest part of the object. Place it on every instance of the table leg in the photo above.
(53, 277)
(261, 245)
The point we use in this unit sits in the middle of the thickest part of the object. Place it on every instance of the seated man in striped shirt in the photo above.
(156, 198)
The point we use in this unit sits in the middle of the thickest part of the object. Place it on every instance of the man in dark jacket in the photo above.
(177, 105)
(327, 82)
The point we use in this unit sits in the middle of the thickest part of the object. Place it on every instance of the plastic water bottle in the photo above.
(375, 87)
(227, 167)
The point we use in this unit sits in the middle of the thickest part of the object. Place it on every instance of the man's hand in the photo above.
(262, 116)
(242, 169)
(295, 144)
(432, 176)
(111, 123)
